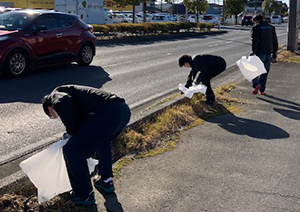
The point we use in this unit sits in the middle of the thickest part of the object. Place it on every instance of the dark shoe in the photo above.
(256, 89)
(106, 187)
(84, 201)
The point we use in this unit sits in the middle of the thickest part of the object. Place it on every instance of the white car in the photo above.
(212, 19)
(276, 19)
(192, 18)
(161, 18)
(118, 18)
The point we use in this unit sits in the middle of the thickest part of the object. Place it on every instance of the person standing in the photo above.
(265, 46)
(93, 119)
(206, 67)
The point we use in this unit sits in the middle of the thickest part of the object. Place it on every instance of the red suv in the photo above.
(36, 38)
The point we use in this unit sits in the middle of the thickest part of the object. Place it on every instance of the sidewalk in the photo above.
(245, 162)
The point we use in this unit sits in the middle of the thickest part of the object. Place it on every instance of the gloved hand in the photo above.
(274, 55)
(66, 135)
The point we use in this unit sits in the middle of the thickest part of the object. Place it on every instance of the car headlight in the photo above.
(2, 38)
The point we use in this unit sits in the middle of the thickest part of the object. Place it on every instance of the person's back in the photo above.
(264, 39)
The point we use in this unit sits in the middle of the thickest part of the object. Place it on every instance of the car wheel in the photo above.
(16, 63)
(85, 55)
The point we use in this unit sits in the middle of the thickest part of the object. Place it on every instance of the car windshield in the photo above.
(15, 20)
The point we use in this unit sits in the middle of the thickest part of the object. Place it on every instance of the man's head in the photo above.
(185, 61)
(258, 18)
(48, 107)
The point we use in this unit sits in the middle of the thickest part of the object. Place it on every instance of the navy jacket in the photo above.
(207, 66)
(74, 103)
(264, 39)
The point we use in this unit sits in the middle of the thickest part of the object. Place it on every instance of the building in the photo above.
(253, 7)
(31, 4)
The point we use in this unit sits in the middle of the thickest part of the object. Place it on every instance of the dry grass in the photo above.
(287, 56)
(157, 135)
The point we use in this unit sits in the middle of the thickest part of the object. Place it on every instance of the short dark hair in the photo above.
(184, 59)
(46, 103)
(258, 18)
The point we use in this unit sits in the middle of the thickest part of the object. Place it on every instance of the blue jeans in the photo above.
(94, 135)
(262, 79)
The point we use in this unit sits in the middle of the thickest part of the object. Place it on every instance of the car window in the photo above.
(49, 22)
(64, 22)
(15, 21)
(207, 18)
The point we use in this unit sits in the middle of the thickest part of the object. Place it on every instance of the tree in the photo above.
(196, 6)
(274, 6)
(129, 2)
(235, 7)
(266, 6)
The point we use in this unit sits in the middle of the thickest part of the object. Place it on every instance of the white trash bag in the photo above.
(189, 92)
(48, 172)
(251, 67)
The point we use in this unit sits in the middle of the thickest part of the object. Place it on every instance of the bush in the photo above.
(167, 27)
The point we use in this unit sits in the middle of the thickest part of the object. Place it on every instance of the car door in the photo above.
(48, 37)
(45, 35)
(69, 34)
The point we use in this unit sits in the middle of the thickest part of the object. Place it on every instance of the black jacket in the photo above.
(73, 103)
(264, 39)
(207, 65)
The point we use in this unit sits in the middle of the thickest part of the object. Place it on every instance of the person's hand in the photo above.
(274, 56)
(66, 136)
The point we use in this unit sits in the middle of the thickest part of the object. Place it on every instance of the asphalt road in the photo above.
(139, 72)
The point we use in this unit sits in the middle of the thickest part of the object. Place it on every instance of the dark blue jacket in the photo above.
(207, 66)
(74, 103)
(264, 39)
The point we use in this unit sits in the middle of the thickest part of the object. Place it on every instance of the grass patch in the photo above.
(287, 56)
(158, 134)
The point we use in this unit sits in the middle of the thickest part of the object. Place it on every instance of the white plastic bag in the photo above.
(189, 92)
(251, 67)
(47, 171)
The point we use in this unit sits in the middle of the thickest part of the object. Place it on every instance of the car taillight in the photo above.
(91, 28)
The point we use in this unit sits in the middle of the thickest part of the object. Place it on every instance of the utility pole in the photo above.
(223, 15)
(293, 28)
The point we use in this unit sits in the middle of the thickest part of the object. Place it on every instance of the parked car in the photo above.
(268, 20)
(212, 19)
(276, 19)
(161, 18)
(247, 20)
(192, 18)
(35, 38)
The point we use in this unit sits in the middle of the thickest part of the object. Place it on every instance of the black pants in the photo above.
(212, 72)
(95, 135)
